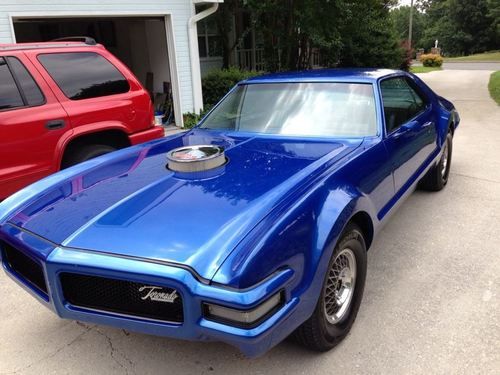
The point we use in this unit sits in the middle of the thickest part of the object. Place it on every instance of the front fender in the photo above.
(300, 236)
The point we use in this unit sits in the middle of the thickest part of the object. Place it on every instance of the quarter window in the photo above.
(401, 102)
(10, 97)
(84, 75)
(28, 86)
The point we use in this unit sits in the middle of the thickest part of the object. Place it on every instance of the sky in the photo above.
(404, 2)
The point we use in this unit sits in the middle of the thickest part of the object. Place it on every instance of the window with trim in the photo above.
(401, 102)
(17, 86)
(84, 75)
(209, 39)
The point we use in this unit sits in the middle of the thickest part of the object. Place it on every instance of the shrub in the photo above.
(407, 56)
(431, 60)
(190, 120)
(494, 86)
(217, 83)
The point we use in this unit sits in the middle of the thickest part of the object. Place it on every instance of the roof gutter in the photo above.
(194, 54)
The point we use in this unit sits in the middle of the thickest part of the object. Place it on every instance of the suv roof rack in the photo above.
(85, 39)
(42, 45)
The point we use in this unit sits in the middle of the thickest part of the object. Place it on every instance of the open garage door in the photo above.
(140, 42)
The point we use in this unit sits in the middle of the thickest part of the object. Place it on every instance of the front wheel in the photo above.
(341, 294)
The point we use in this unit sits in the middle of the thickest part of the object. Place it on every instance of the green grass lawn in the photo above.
(423, 69)
(494, 87)
(487, 56)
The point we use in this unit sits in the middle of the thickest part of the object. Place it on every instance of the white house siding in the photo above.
(180, 11)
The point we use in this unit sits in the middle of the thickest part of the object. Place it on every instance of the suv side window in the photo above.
(10, 97)
(401, 102)
(28, 87)
(84, 75)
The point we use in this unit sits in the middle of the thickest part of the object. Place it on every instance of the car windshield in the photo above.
(305, 109)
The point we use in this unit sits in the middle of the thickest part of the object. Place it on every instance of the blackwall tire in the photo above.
(437, 177)
(87, 152)
(323, 330)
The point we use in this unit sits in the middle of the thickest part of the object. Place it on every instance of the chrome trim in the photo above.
(197, 164)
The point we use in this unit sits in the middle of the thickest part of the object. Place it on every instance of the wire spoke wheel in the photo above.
(341, 293)
(339, 288)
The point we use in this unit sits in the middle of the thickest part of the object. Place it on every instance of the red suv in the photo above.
(62, 103)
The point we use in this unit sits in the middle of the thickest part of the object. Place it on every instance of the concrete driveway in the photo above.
(431, 303)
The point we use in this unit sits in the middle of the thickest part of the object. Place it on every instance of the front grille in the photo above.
(123, 297)
(26, 267)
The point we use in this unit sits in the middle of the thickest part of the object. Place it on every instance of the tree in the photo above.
(231, 37)
(472, 20)
(401, 19)
(347, 32)
(292, 28)
(368, 36)
(462, 26)
(494, 13)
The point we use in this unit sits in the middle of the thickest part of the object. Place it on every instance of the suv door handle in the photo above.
(55, 124)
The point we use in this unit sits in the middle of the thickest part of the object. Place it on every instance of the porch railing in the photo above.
(250, 59)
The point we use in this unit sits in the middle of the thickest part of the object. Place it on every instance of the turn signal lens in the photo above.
(248, 318)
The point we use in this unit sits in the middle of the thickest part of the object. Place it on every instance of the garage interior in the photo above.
(139, 42)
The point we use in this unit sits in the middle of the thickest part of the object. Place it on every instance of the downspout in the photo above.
(195, 56)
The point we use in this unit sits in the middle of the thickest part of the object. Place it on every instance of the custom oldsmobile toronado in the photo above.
(248, 228)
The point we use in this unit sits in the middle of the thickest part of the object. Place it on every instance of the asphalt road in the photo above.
(477, 65)
(431, 304)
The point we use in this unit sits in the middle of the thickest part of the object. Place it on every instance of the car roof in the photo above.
(325, 75)
(43, 45)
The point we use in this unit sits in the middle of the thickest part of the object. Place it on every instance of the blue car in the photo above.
(249, 228)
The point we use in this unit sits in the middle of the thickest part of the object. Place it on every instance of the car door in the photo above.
(32, 122)
(410, 126)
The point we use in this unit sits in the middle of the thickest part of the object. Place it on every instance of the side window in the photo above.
(28, 86)
(10, 97)
(84, 75)
(401, 102)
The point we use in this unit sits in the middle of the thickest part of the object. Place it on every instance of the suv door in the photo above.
(94, 92)
(410, 127)
(32, 122)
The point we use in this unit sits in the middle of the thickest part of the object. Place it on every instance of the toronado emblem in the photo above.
(154, 295)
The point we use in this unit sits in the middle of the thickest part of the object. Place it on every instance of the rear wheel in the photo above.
(437, 177)
(341, 294)
(85, 153)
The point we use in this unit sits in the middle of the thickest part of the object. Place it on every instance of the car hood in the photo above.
(130, 204)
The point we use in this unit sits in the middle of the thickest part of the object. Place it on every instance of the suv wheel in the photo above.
(85, 153)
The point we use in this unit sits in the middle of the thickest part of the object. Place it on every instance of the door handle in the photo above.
(55, 124)
(403, 130)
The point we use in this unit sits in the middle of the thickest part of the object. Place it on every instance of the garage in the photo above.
(142, 43)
